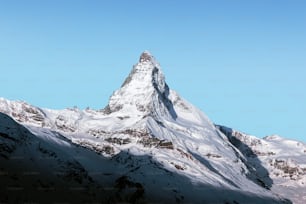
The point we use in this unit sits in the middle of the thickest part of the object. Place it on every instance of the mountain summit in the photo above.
(148, 145)
(144, 91)
(146, 56)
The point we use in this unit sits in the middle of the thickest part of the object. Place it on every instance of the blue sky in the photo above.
(242, 62)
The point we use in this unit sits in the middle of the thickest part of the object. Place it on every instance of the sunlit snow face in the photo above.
(144, 84)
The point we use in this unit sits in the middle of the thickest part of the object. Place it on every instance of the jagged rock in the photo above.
(145, 57)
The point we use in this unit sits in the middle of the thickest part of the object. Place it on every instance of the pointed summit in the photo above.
(144, 91)
(147, 71)
(146, 57)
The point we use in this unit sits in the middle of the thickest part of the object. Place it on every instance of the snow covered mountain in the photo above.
(283, 159)
(147, 145)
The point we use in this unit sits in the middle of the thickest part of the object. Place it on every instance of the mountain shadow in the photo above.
(258, 173)
(211, 168)
(164, 98)
(156, 184)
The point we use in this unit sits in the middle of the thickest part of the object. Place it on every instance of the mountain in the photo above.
(148, 145)
(285, 161)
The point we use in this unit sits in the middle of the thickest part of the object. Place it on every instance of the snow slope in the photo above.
(147, 145)
(283, 159)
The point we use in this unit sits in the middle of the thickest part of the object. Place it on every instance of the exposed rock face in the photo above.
(145, 57)
(23, 112)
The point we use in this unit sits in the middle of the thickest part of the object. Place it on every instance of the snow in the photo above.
(284, 159)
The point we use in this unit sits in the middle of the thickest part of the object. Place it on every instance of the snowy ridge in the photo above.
(147, 141)
(284, 159)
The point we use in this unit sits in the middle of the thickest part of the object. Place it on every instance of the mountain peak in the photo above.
(147, 71)
(144, 90)
(146, 56)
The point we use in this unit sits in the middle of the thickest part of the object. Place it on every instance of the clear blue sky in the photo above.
(242, 62)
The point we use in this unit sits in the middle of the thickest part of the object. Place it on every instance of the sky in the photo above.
(241, 62)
